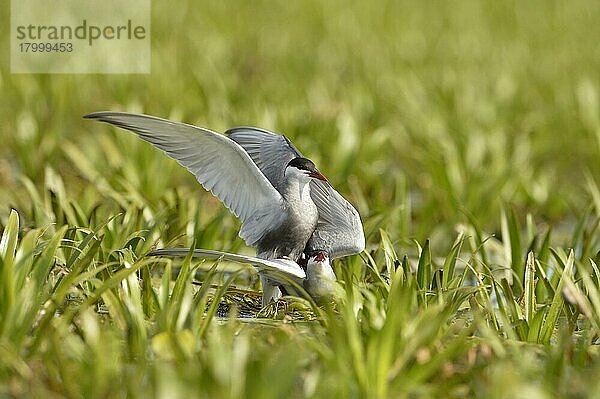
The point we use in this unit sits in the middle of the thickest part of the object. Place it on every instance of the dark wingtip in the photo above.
(95, 115)
(108, 117)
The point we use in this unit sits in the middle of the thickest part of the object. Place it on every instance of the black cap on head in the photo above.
(307, 165)
(303, 164)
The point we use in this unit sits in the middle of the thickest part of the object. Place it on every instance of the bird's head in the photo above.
(320, 281)
(303, 168)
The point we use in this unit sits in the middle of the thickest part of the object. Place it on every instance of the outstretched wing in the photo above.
(271, 152)
(339, 230)
(277, 270)
(219, 164)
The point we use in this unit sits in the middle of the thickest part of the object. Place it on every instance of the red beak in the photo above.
(318, 175)
(320, 257)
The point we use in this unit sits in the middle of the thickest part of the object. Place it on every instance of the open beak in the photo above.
(317, 175)
(320, 257)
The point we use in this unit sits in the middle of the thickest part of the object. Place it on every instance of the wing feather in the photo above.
(221, 165)
(339, 231)
(271, 152)
(278, 270)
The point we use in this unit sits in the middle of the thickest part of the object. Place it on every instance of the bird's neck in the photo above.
(297, 191)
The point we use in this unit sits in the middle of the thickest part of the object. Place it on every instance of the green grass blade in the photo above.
(557, 301)
(530, 301)
(450, 261)
(8, 246)
(425, 268)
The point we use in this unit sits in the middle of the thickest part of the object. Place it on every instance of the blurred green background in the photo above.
(419, 112)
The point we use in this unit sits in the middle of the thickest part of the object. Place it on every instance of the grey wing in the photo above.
(219, 164)
(270, 151)
(339, 229)
(277, 270)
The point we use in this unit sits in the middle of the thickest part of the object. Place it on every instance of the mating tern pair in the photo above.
(288, 209)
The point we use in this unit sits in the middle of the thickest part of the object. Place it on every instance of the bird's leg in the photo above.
(270, 291)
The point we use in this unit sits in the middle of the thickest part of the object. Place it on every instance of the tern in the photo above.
(286, 206)
(318, 280)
